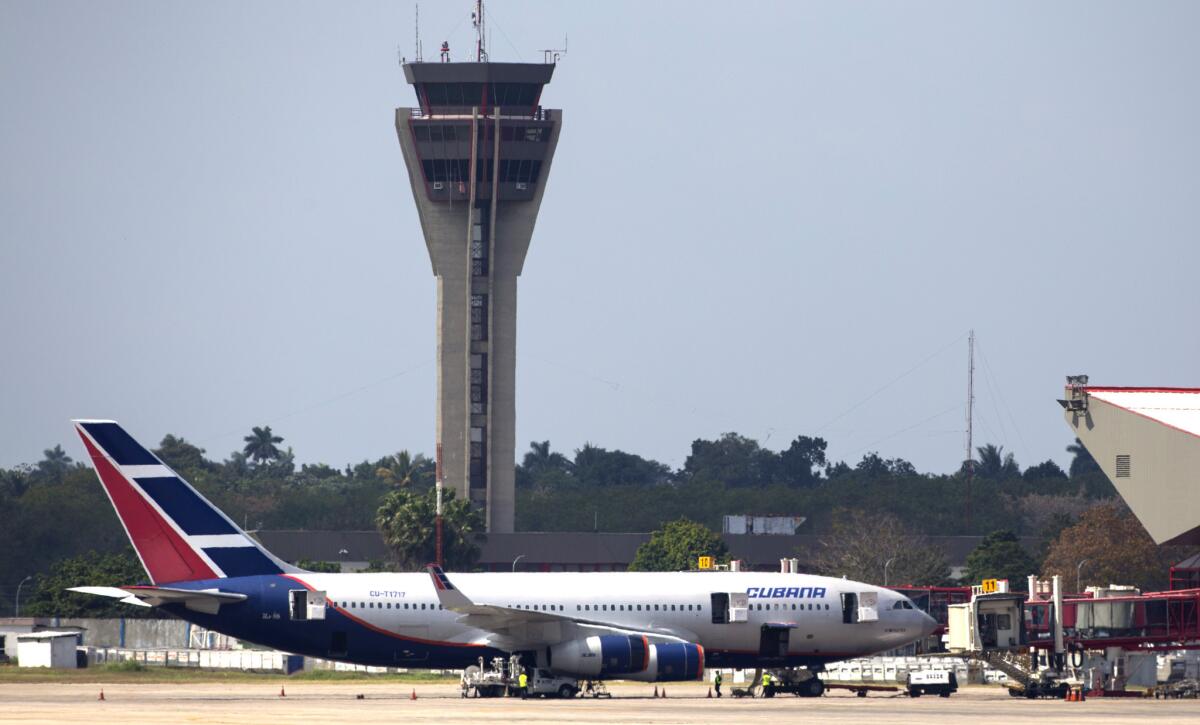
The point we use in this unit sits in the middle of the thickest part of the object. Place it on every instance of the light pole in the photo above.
(885, 568)
(1078, 567)
(519, 557)
(17, 613)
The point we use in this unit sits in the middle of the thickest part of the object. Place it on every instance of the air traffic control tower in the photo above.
(478, 151)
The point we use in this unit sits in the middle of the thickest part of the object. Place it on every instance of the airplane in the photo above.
(650, 626)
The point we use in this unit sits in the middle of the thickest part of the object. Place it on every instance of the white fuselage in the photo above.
(675, 604)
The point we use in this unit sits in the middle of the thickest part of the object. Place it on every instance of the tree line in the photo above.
(55, 509)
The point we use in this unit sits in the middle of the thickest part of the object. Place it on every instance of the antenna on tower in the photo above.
(970, 421)
(417, 30)
(551, 55)
(481, 55)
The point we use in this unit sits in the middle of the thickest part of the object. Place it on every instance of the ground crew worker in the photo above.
(523, 684)
(766, 682)
(717, 683)
(445, 51)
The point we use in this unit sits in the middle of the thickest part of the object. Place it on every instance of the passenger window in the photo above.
(656, 607)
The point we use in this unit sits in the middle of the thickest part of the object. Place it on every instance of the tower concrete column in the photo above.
(478, 151)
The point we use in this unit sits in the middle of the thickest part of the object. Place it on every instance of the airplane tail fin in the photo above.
(177, 533)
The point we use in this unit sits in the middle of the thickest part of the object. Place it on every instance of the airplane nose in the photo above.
(928, 624)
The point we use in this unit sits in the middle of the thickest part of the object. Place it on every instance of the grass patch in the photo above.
(135, 672)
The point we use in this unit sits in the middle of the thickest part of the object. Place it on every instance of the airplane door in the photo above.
(298, 604)
(849, 607)
(773, 643)
(720, 607)
(868, 607)
(730, 607)
(304, 605)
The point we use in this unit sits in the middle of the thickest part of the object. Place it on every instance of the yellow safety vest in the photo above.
(523, 680)
(766, 679)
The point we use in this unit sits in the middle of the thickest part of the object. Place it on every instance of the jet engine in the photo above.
(672, 662)
(629, 657)
(601, 656)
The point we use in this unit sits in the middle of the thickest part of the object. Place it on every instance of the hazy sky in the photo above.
(759, 215)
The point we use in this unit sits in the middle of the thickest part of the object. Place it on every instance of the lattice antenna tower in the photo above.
(477, 19)
(417, 30)
(970, 461)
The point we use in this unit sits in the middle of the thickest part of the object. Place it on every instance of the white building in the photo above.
(47, 649)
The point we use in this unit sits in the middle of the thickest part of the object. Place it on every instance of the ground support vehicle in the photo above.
(543, 683)
(1179, 689)
(942, 683)
(488, 680)
(799, 682)
(500, 678)
(596, 689)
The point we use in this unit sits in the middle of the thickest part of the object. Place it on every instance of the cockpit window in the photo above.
(902, 604)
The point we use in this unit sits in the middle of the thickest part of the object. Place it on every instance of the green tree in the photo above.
(406, 520)
(1047, 470)
(732, 459)
(595, 466)
(801, 462)
(874, 466)
(862, 545)
(677, 546)
(50, 597)
(260, 445)
(182, 456)
(1000, 556)
(328, 567)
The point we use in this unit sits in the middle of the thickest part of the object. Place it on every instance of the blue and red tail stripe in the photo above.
(178, 534)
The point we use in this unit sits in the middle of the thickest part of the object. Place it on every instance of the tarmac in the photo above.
(308, 702)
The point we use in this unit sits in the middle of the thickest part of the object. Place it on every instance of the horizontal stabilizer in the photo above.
(207, 601)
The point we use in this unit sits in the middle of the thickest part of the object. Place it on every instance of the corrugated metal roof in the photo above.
(1178, 408)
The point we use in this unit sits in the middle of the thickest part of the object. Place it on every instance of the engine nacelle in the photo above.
(609, 655)
(673, 662)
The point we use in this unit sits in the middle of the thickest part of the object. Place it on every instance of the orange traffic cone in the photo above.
(710, 693)
(664, 692)
(656, 690)
(101, 694)
(281, 692)
(413, 696)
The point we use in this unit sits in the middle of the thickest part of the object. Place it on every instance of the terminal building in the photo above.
(478, 148)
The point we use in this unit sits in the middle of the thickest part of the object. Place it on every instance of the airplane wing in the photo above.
(207, 601)
(525, 628)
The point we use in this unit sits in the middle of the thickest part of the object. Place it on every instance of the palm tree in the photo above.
(539, 458)
(403, 469)
(260, 445)
(55, 463)
(994, 464)
(1082, 463)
